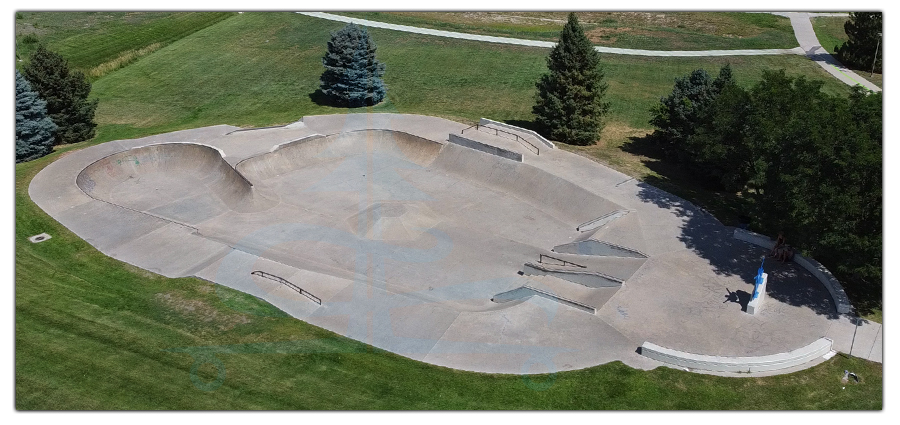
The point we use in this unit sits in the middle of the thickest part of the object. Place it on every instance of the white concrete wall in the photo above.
(778, 361)
(841, 302)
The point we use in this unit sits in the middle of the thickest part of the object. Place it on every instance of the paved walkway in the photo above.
(803, 30)
(811, 47)
(550, 44)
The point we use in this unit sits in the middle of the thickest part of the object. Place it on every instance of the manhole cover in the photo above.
(39, 238)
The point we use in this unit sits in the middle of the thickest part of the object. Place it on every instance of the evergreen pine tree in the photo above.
(569, 102)
(66, 93)
(34, 129)
(864, 38)
(352, 77)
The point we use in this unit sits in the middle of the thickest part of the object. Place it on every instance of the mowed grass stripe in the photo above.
(109, 34)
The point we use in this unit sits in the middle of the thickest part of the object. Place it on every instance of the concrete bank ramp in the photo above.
(318, 149)
(185, 182)
(598, 248)
(557, 196)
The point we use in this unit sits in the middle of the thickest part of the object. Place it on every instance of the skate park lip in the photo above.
(403, 236)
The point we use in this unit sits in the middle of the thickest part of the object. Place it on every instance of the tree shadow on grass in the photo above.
(712, 240)
(526, 124)
(318, 97)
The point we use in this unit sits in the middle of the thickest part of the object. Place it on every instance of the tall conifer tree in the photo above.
(34, 129)
(569, 102)
(66, 93)
(352, 77)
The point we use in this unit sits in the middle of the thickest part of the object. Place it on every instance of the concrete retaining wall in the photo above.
(493, 150)
(841, 302)
(778, 361)
(549, 144)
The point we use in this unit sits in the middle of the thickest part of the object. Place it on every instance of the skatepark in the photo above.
(481, 248)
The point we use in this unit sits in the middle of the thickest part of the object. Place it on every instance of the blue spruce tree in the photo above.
(34, 129)
(352, 76)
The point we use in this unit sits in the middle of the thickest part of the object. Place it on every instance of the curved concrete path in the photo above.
(550, 44)
(688, 295)
(800, 21)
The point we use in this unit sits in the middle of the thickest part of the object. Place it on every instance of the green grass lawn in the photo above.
(831, 34)
(91, 331)
(261, 68)
(633, 30)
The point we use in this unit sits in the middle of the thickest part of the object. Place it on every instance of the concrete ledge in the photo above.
(493, 150)
(806, 354)
(485, 121)
(754, 238)
(841, 302)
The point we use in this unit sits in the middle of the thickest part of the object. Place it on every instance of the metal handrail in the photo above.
(497, 132)
(285, 282)
(564, 262)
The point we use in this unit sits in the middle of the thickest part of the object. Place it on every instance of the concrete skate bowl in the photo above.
(452, 225)
(181, 182)
(405, 192)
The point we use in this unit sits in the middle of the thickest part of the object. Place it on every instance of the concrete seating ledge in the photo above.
(485, 121)
(800, 356)
(841, 302)
(493, 150)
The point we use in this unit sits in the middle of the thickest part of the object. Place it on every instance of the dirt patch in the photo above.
(201, 311)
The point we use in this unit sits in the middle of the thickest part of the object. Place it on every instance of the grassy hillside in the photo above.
(262, 68)
(100, 42)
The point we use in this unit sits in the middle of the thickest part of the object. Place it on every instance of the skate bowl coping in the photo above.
(772, 362)
(841, 302)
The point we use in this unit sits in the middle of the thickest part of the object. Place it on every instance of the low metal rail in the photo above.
(497, 132)
(285, 282)
(564, 262)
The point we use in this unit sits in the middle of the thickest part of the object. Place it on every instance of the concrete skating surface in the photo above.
(406, 238)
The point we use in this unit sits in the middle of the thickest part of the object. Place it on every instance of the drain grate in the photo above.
(39, 238)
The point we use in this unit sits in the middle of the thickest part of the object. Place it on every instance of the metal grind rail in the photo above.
(564, 262)
(497, 132)
(285, 282)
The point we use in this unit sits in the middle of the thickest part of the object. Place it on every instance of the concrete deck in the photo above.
(406, 238)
